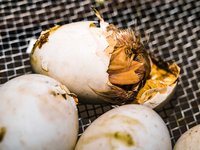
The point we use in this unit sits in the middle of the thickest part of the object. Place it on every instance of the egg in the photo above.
(37, 112)
(190, 140)
(101, 64)
(127, 127)
(73, 60)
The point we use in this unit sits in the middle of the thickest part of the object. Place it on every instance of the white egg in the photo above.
(73, 61)
(190, 140)
(36, 112)
(128, 127)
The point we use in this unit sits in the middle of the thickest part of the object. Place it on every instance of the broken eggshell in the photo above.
(37, 112)
(79, 56)
(160, 100)
(126, 127)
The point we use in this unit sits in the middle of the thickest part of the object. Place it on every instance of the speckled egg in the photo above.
(190, 140)
(128, 127)
(37, 113)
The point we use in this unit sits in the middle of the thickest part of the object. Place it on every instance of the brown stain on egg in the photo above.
(2, 133)
(23, 88)
(122, 137)
(123, 119)
(53, 108)
(33, 60)
(44, 38)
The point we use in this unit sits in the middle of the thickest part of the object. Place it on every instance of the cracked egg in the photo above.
(104, 64)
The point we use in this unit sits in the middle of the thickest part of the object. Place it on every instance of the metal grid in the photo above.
(175, 35)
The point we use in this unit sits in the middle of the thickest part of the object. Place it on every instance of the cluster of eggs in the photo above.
(38, 111)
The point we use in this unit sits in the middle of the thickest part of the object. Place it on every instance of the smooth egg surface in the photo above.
(36, 113)
(190, 140)
(128, 127)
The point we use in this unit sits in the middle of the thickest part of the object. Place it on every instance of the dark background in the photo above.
(174, 26)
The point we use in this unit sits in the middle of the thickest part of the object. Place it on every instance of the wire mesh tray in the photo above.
(175, 35)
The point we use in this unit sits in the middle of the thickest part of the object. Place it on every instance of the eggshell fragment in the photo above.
(160, 100)
(190, 140)
(128, 127)
(37, 113)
